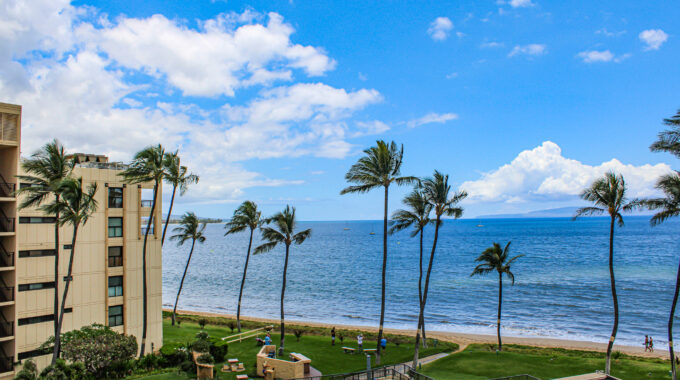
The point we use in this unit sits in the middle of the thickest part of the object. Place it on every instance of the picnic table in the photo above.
(370, 350)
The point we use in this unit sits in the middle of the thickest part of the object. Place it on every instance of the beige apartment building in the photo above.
(107, 271)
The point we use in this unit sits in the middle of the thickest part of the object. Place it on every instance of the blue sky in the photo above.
(522, 102)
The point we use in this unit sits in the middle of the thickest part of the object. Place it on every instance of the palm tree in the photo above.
(380, 167)
(75, 207)
(417, 216)
(44, 172)
(245, 216)
(146, 166)
(283, 232)
(190, 228)
(436, 190)
(670, 207)
(496, 259)
(177, 176)
(668, 141)
(608, 194)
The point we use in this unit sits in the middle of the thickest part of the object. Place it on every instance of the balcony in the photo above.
(143, 230)
(6, 223)
(6, 257)
(6, 362)
(147, 203)
(6, 292)
(6, 328)
(6, 189)
(9, 126)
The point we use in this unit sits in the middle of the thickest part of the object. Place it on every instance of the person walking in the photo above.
(333, 336)
(646, 343)
(360, 342)
(651, 344)
(383, 343)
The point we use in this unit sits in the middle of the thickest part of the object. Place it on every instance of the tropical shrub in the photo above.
(174, 353)
(201, 346)
(205, 359)
(188, 366)
(231, 325)
(28, 372)
(218, 347)
(202, 335)
(102, 351)
(64, 371)
(202, 322)
(298, 334)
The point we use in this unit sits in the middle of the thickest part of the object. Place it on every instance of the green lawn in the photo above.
(326, 358)
(481, 362)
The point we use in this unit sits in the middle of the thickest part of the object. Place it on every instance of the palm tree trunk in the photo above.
(57, 336)
(607, 368)
(181, 283)
(427, 286)
(144, 285)
(283, 293)
(384, 275)
(670, 325)
(243, 282)
(167, 219)
(500, 302)
(56, 270)
(421, 321)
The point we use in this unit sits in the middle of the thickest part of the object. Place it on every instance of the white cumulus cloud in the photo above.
(432, 117)
(543, 173)
(520, 3)
(530, 49)
(593, 56)
(653, 38)
(440, 28)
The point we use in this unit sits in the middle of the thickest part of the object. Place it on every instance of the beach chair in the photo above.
(241, 377)
(241, 367)
(234, 368)
(226, 368)
(348, 350)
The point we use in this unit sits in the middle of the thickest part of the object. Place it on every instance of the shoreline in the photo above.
(462, 339)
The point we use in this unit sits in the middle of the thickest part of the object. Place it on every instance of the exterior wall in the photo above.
(88, 292)
(283, 369)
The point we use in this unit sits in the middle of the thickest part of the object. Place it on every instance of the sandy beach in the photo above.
(463, 339)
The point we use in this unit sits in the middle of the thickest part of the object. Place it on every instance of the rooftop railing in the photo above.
(147, 202)
(103, 165)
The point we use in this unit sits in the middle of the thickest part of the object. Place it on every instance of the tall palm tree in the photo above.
(75, 207)
(190, 228)
(608, 194)
(417, 216)
(380, 167)
(496, 259)
(668, 141)
(178, 176)
(436, 190)
(669, 207)
(146, 166)
(45, 170)
(283, 232)
(245, 216)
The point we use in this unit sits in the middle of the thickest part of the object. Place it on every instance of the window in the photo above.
(26, 185)
(115, 286)
(115, 316)
(36, 286)
(144, 221)
(115, 197)
(41, 318)
(115, 227)
(36, 219)
(115, 257)
(68, 246)
(33, 353)
(37, 253)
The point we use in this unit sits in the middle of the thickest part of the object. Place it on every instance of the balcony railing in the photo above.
(143, 230)
(6, 362)
(6, 257)
(6, 329)
(147, 203)
(115, 261)
(6, 293)
(6, 189)
(9, 127)
(6, 224)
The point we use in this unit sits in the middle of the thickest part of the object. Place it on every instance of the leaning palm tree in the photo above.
(75, 207)
(669, 140)
(147, 166)
(416, 216)
(608, 194)
(436, 190)
(245, 216)
(178, 176)
(669, 207)
(44, 172)
(496, 259)
(380, 167)
(283, 232)
(190, 228)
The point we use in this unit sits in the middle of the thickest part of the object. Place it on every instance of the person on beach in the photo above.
(360, 342)
(333, 336)
(646, 343)
(651, 344)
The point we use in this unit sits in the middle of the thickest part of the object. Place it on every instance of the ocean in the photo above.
(561, 285)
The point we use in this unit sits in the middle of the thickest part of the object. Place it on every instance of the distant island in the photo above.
(174, 219)
(562, 212)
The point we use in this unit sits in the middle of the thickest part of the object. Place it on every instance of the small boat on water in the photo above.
(372, 233)
(480, 225)
(345, 229)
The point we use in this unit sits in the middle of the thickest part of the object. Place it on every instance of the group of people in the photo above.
(649, 343)
(360, 340)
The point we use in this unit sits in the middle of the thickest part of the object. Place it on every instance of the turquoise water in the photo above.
(561, 289)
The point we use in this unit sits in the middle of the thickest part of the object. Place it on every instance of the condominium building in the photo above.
(106, 285)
